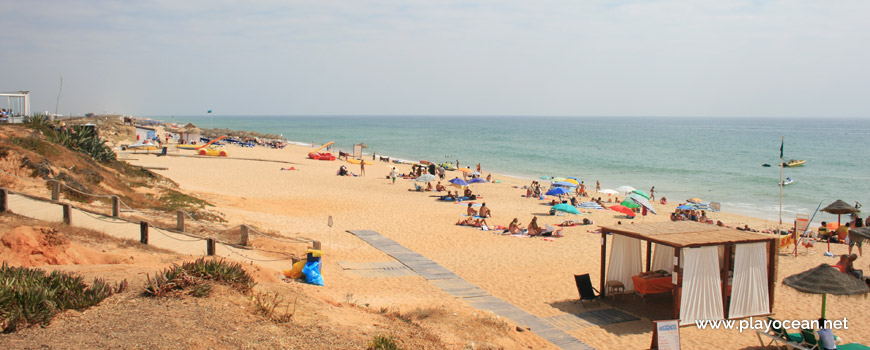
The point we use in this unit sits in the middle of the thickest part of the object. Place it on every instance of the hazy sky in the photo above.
(320, 57)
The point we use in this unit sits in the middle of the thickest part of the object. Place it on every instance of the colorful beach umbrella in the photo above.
(564, 183)
(476, 180)
(573, 178)
(558, 179)
(465, 170)
(425, 178)
(608, 191)
(622, 209)
(567, 208)
(641, 193)
(557, 191)
(573, 181)
(458, 182)
(694, 200)
(628, 203)
(644, 202)
(686, 207)
(625, 189)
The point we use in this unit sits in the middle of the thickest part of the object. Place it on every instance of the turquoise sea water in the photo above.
(716, 159)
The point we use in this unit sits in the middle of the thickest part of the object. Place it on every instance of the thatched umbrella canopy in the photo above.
(860, 233)
(840, 207)
(825, 279)
(363, 145)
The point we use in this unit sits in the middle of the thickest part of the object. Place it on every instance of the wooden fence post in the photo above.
(4, 202)
(179, 220)
(67, 214)
(55, 190)
(143, 232)
(317, 245)
(116, 206)
(244, 235)
(209, 246)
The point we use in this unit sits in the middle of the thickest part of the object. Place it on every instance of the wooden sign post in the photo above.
(666, 335)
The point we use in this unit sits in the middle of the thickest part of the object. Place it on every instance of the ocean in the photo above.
(716, 159)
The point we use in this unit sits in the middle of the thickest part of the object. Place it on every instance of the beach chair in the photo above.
(791, 340)
(586, 290)
(811, 342)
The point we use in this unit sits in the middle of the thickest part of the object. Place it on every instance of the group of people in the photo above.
(843, 233)
(533, 229)
(466, 194)
(476, 218)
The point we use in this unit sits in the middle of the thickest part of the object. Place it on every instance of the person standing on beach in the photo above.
(362, 168)
(652, 193)
(393, 175)
(478, 167)
(597, 186)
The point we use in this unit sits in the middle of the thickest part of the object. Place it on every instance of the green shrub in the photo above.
(32, 297)
(196, 275)
(381, 342)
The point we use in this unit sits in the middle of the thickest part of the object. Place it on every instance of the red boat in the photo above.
(321, 156)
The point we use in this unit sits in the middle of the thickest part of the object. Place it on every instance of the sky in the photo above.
(789, 58)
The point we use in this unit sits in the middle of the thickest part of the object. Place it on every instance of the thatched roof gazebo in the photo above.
(692, 252)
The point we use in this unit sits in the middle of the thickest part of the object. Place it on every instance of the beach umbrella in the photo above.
(702, 206)
(825, 279)
(425, 178)
(474, 174)
(644, 202)
(590, 205)
(458, 182)
(625, 189)
(608, 191)
(622, 209)
(641, 193)
(694, 200)
(465, 170)
(558, 179)
(557, 191)
(564, 183)
(573, 181)
(628, 203)
(567, 208)
(686, 207)
(476, 180)
(839, 207)
(572, 178)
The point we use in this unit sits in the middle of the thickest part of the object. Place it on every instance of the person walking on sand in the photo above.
(393, 175)
(362, 168)
(652, 193)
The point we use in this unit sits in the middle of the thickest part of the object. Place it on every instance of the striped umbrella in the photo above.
(642, 202)
(628, 203)
(641, 193)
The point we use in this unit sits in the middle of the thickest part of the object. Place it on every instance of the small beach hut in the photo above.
(700, 258)
(145, 133)
(190, 134)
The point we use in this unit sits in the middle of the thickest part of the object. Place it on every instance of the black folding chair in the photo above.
(587, 291)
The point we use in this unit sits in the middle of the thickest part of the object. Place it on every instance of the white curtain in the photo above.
(702, 288)
(749, 294)
(663, 258)
(624, 261)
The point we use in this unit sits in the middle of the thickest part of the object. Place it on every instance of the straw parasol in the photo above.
(839, 207)
(824, 279)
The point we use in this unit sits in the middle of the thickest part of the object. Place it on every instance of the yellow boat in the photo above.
(356, 161)
(794, 163)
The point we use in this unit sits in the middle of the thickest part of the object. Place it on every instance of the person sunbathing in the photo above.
(470, 211)
(439, 187)
(449, 196)
(467, 192)
(514, 227)
(484, 211)
(470, 221)
(429, 186)
(533, 227)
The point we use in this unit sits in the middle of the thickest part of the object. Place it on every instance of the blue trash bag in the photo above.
(312, 273)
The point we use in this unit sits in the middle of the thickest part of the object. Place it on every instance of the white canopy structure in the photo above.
(717, 272)
(18, 102)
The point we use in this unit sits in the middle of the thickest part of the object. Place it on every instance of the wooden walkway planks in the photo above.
(471, 294)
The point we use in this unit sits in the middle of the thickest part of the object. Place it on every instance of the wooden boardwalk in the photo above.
(471, 294)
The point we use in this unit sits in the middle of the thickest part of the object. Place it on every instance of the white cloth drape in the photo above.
(663, 258)
(702, 288)
(624, 261)
(749, 294)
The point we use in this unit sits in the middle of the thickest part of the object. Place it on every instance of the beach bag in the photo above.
(296, 271)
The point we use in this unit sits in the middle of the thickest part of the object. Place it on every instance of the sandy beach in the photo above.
(531, 273)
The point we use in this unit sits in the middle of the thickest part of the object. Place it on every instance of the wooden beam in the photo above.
(772, 262)
(244, 238)
(209, 246)
(55, 190)
(648, 255)
(724, 277)
(602, 290)
(179, 220)
(4, 200)
(116, 206)
(143, 232)
(678, 289)
(67, 214)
